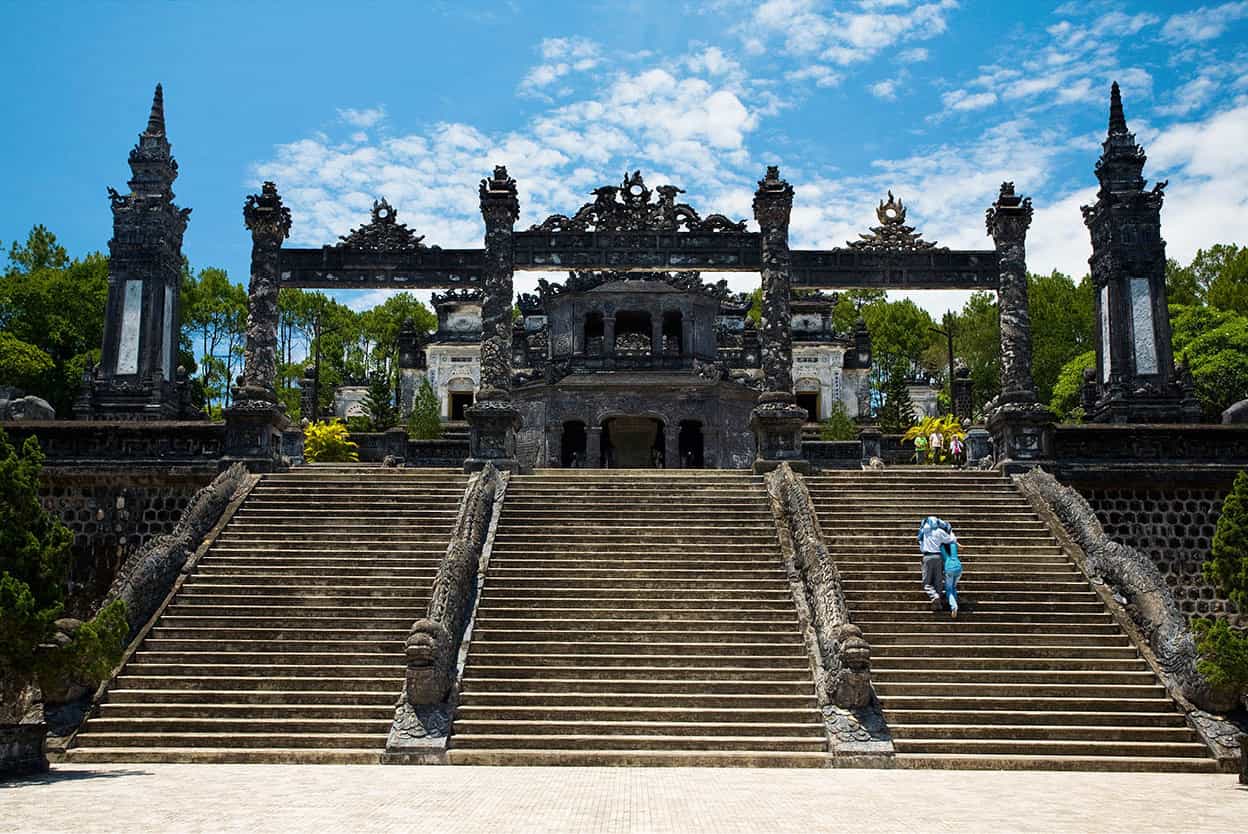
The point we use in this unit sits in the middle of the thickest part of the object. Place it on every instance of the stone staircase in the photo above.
(637, 618)
(1038, 675)
(286, 643)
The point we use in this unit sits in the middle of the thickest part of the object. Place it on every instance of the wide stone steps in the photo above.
(1036, 672)
(286, 644)
(629, 619)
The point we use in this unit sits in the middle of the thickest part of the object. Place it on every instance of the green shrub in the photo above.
(34, 561)
(1223, 653)
(1228, 564)
(23, 365)
(1067, 402)
(838, 425)
(425, 422)
(328, 441)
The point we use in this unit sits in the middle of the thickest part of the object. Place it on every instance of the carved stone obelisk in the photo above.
(1135, 378)
(138, 375)
(777, 419)
(1021, 427)
(493, 419)
(255, 420)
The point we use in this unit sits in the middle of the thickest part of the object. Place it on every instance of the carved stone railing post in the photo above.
(255, 421)
(1021, 427)
(493, 419)
(423, 716)
(840, 656)
(777, 419)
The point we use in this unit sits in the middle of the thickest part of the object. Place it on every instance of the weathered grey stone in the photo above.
(1134, 576)
(26, 408)
(1238, 413)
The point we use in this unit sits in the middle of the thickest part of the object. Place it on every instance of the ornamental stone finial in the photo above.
(773, 201)
(265, 216)
(1010, 216)
(156, 120)
(499, 201)
(1117, 117)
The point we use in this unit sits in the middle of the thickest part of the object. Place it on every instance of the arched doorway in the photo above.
(459, 395)
(573, 445)
(632, 443)
(690, 445)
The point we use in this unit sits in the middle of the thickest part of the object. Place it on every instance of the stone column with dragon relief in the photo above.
(255, 420)
(1021, 427)
(493, 419)
(777, 419)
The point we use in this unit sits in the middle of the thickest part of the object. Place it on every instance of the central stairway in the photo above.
(286, 643)
(637, 618)
(1036, 675)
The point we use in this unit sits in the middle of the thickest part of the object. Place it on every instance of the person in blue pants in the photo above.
(953, 572)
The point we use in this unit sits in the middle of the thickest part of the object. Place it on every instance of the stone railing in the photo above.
(840, 657)
(844, 658)
(134, 443)
(833, 454)
(1108, 444)
(1154, 616)
(146, 577)
(422, 718)
(436, 452)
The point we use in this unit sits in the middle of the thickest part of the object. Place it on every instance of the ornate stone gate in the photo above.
(632, 228)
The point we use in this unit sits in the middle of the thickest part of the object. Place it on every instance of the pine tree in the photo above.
(897, 413)
(379, 403)
(425, 422)
(1228, 566)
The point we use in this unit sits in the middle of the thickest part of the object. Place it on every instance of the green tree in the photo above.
(57, 306)
(896, 414)
(34, 561)
(838, 425)
(1182, 287)
(214, 320)
(425, 422)
(1067, 399)
(1228, 564)
(379, 403)
(1217, 358)
(23, 365)
(1061, 326)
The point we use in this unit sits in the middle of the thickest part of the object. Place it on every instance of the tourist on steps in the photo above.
(933, 533)
(953, 572)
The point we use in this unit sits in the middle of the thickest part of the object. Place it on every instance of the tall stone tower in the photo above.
(137, 376)
(1135, 377)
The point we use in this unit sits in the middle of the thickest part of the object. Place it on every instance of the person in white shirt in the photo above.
(934, 532)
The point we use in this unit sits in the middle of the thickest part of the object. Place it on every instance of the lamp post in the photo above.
(947, 332)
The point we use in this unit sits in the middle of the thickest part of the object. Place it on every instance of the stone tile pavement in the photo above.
(496, 800)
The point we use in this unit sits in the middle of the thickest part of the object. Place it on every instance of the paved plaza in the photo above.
(272, 798)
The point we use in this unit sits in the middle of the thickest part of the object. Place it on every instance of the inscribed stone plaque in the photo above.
(166, 345)
(1105, 363)
(1142, 327)
(131, 318)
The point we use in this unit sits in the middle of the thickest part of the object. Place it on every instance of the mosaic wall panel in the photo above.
(1174, 525)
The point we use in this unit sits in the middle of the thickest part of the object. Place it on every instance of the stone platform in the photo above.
(274, 798)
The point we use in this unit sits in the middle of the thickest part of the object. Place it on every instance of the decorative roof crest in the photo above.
(628, 208)
(460, 295)
(893, 235)
(383, 233)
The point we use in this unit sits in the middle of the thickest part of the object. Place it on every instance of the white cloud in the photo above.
(886, 89)
(963, 100)
(1203, 24)
(913, 56)
(365, 118)
(843, 36)
(563, 56)
(1191, 96)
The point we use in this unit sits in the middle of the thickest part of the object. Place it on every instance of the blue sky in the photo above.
(937, 100)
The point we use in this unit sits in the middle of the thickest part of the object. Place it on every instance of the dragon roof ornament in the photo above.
(628, 208)
(893, 235)
(383, 233)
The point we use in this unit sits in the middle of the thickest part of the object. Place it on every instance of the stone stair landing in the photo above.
(286, 643)
(1037, 675)
(637, 618)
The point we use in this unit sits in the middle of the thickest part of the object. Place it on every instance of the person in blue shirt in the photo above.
(934, 533)
(953, 572)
